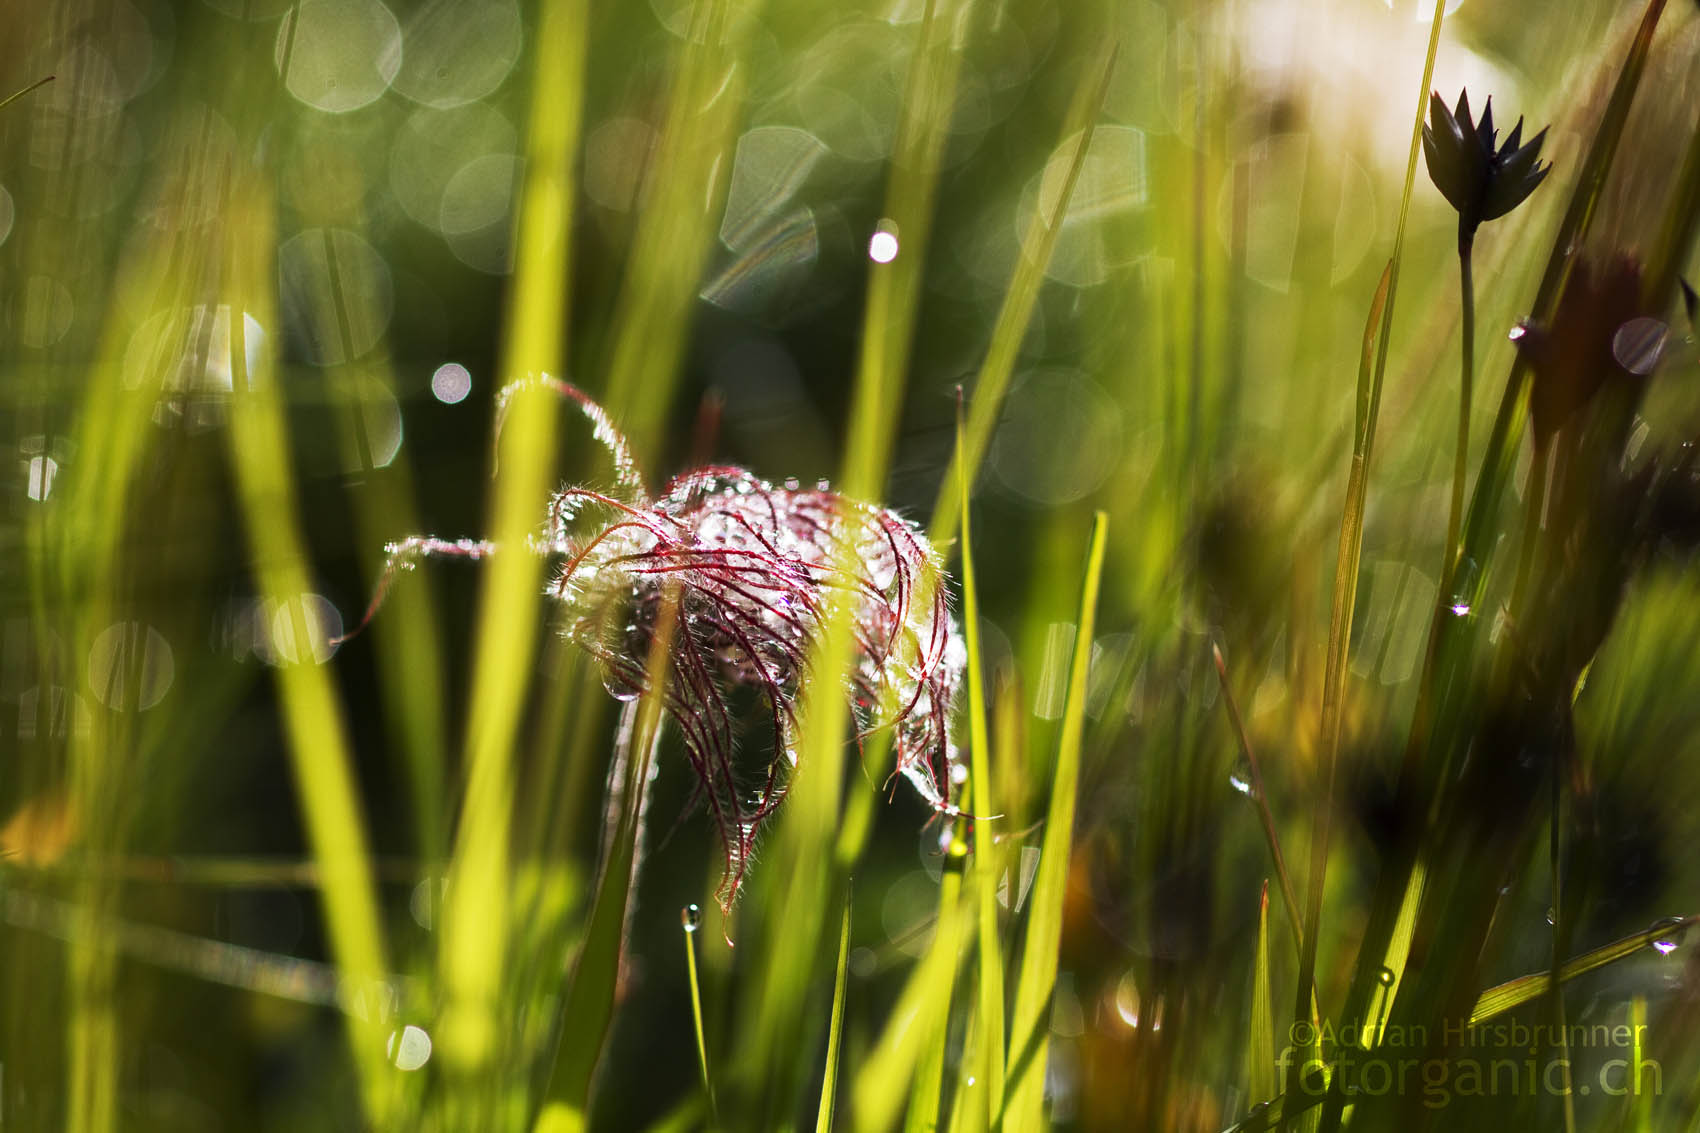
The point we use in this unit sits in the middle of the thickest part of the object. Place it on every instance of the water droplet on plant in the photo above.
(1463, 587)
(1667, 942)
(1552, 917)
(1240, 783)
(690, 916)
(618, 688)
(1386, 977)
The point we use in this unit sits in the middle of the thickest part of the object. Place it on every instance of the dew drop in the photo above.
(618, 688)
(1552, 917)
(1386, 977)
(882, 246)
(690, 917)
(1239, 783)
(1667, 942)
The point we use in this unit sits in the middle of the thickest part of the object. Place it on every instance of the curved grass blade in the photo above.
(1029, 1045)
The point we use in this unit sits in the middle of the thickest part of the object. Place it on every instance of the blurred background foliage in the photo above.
(261, 276)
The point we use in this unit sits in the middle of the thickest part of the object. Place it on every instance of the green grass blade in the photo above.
(1029, 1045)
(472, 947)
(587, 1008)
(1260, 1037)
(986, 1057)
(834, 1028)
(663, 272)
(321, 758)
(926, 1090)
(1504, 997)
(1340, 625)
(884, 1075)
(894, 288)
(1037, 243)
(691, 920)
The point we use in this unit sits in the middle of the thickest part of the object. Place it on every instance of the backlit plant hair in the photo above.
(755, 568)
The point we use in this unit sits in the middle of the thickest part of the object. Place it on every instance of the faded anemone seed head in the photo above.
(751, 572)
(756, 568)
(1479, 179)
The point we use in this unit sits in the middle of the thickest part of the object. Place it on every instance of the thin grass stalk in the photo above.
(1036, 985)
(691, 920)
(987, 1049)
(881, 1081)
(1339, 640)
(894, 288)
(473, 938)
(834, 1029)
(587, 1004)
(927, 1088)
(321, 759)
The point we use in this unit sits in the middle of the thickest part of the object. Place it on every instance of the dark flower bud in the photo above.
(1479, 180)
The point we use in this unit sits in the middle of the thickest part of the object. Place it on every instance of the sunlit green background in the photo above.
(263, 267)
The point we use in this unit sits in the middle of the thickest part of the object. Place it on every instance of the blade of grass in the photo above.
(880, 1083)
(1262, 800)
(933, 1025)
(472, 942)
(1340, 623)
(894, 287)
(1499, 999)
(1260, 1036)
(987, 1054)
(691, 920)
(321, 759)
(663, 270)
(17, 94)
(1038, 242)
(587, 1005)
(1029, 1043)
(834, 1028)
